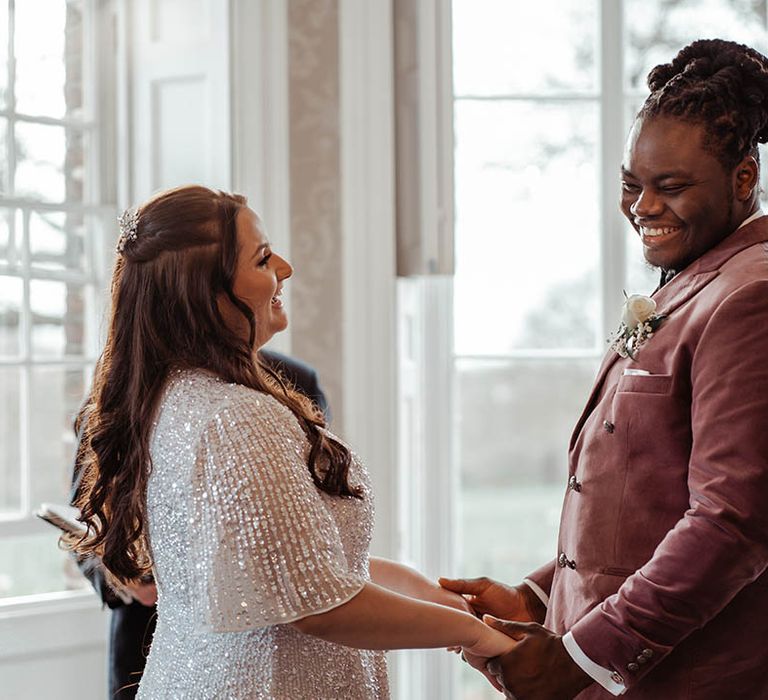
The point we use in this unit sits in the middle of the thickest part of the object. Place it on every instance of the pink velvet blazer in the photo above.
(660, 573)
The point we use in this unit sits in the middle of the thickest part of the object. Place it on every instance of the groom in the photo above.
(659, 590)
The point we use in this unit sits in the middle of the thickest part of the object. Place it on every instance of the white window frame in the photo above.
(98, 199)
(51, 630)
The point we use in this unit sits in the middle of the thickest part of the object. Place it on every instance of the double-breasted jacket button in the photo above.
(616, 677)
(574, 484)
(563, 561)
(633, 667)
(609, 427)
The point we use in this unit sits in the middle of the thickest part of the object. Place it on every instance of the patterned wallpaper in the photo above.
(316, 246)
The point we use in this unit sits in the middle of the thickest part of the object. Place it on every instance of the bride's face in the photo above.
(258, 280)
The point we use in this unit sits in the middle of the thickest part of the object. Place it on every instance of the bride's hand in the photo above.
(489, 642)
(479, 664)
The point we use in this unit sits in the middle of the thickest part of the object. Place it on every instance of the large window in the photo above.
(541, 254)
(51, 271)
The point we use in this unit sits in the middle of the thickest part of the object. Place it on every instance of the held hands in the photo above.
(489, 597)
(488, 644)
(538, 666)
(443, 596)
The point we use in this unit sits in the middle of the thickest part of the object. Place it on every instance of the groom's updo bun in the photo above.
(720, 85)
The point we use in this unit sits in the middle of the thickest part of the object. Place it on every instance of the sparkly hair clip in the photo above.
(129, 227)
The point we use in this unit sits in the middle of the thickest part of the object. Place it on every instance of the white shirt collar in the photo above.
(750, 219)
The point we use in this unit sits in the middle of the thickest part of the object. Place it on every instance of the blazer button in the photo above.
(647, 653)
(633, 667)
(574, 484)
(616, 677)
(642, 660)
(609, 427)
(562, 560)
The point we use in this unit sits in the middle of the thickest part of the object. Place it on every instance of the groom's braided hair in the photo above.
(720, 85)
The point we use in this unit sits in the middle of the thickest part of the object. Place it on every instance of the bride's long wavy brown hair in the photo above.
(165, 315)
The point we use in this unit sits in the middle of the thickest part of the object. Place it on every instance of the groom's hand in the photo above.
(489, 597)
(442, 596)
(539, 667)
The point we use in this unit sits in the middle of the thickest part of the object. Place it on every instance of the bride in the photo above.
(207, 468)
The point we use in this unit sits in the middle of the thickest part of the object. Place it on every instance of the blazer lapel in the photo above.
(609, 360)
(676, 292)
(671, 295)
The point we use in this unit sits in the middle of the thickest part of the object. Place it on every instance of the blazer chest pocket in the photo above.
(645, 384)
(617, 571)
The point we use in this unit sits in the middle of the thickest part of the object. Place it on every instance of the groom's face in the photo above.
(675, 193)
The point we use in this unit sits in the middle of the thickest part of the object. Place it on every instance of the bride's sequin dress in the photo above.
(243, 544)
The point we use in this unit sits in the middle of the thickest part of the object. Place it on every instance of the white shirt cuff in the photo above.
(610, 680)
(538, 590)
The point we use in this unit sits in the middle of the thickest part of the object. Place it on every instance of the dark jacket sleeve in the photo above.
(301, 375)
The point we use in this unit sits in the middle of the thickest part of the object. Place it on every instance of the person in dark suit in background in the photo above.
(132, 623)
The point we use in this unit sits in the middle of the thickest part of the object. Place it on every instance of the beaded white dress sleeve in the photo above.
(244, 543)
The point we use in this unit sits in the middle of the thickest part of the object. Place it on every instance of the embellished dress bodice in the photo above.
(243, 543)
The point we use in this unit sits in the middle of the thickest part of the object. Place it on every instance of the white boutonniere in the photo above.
(638, 323)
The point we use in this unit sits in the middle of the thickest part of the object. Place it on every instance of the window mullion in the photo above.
(25, 395)
(91, 112)
(11, 99)
(613, 244)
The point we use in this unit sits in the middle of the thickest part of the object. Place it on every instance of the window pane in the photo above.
(526, 273)
(498, 46)
(4, 56)
(60, 311)
(101, 235)
(10, 438)
(515, 421)
(49, 162)
(657, 29)
(57, 241)
(10, 240)
(48, 58)
(56, 396)
(516, 418)
(35, 564)
(11, 291)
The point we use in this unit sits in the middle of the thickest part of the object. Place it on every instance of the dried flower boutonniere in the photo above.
(638, 323)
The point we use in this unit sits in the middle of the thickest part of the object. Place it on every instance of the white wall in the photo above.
(53, 647)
